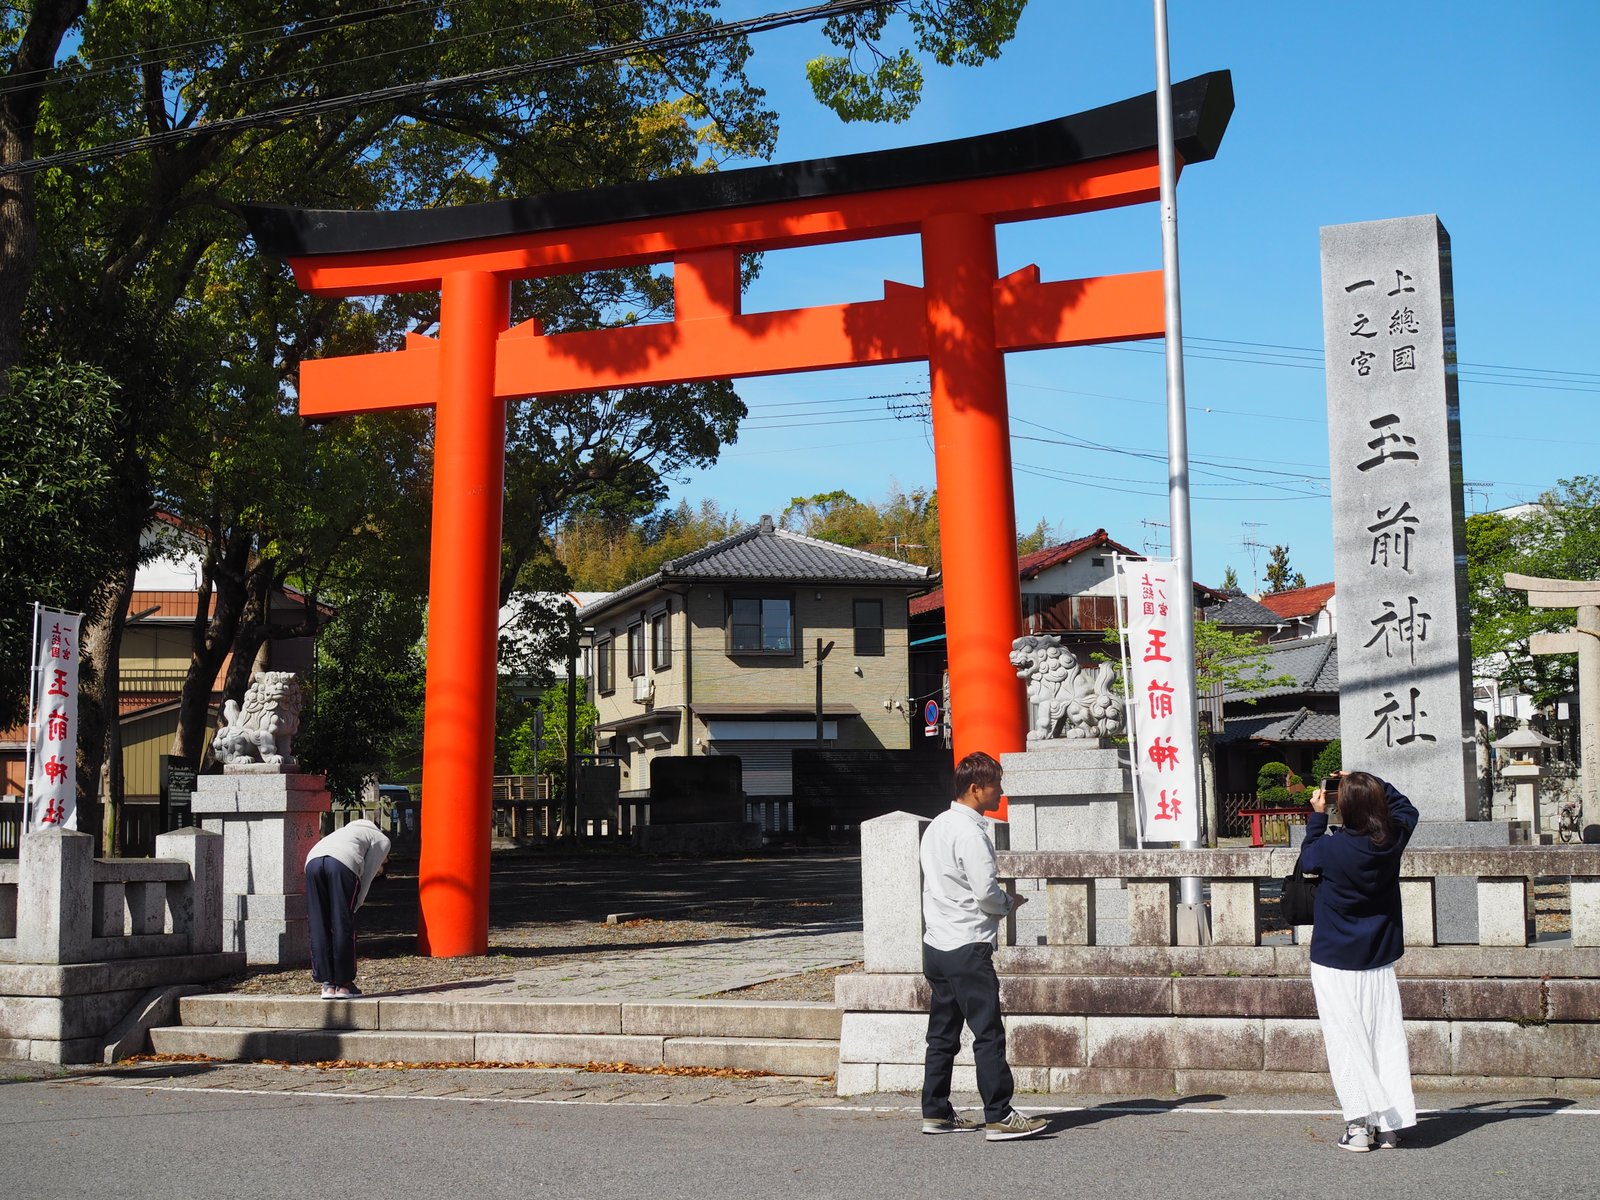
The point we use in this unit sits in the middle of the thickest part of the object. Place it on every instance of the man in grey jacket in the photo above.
(962, 903)
(339, 870)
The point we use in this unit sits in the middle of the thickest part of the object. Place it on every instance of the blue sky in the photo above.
(1349, 112)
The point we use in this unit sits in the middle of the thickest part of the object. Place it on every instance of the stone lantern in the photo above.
(1522, 755)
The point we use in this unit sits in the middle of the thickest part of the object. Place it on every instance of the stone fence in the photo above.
(88, 944)
(1514, 1011)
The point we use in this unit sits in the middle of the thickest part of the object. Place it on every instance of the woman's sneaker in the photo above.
(1388, 1139)
(952, 1124)
(1014, 1126)
(1356, 1138)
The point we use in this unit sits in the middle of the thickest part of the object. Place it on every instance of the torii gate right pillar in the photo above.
(1584, 640)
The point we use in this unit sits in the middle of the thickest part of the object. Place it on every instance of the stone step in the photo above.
(781, 1056)
(644, 1018)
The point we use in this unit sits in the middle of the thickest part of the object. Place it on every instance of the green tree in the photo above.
(1558, 539)
(1280, 576)
(363, 704)
(868, 82)
(1230, 582)
(57, 438)
(547, 753)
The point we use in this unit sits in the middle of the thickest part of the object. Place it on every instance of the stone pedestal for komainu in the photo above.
(1399, 540)
(269, 815)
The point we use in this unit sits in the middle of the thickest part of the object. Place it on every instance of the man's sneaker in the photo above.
(1388, 1139)
(1014, 1126)
(1356, 1138)
(955, 1124)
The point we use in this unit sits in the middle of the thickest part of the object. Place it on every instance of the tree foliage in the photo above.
(363, 704)
(1559, 538)
(602, 553)
(57, 445)
(1280, 576)
(869, 82)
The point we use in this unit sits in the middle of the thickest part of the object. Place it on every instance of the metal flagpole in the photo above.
(1192, 927)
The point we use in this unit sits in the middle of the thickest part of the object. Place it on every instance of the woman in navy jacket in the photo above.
(1356, 938)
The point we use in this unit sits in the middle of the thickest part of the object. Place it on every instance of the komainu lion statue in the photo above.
(1066, 701)
(261, 728)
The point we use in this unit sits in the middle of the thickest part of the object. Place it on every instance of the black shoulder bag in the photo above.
(1300, 896)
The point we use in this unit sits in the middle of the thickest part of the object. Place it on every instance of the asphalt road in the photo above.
(122, 1137)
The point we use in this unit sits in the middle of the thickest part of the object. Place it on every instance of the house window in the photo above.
(868, 620)
(1097, 562)
(635, 650)
(761, 625)
(661, 641)
(604, 668)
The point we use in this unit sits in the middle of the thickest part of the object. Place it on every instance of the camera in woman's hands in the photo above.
(1330, 786)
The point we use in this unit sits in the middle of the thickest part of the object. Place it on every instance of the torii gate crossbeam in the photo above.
(962, 320)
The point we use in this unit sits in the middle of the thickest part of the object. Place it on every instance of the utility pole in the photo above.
(822, 653)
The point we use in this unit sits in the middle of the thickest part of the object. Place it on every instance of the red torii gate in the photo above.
(962, 320)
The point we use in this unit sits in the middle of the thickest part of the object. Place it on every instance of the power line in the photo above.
(663, 44)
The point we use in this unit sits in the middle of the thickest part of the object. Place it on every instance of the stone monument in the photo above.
(1399, 543)
(269, 815)
(1070, 789)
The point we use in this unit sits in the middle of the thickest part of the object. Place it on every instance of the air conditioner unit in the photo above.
(644, 689)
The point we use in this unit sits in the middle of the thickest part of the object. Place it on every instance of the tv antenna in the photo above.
(1153, 542)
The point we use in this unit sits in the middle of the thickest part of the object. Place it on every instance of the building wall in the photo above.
(699, 639)
(1076, 577)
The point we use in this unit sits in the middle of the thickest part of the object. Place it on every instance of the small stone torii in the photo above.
(1584, 641)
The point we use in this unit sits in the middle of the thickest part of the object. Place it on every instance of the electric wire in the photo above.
(661, 44)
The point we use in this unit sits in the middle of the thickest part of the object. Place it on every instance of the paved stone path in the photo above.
(681, 972)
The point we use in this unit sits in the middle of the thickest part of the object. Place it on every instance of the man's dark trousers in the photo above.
(965, 988)
(331, 889)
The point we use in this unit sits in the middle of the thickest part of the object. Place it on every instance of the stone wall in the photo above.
(1512, 1013)
(95, 952)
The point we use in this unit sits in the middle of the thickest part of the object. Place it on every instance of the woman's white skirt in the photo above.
(1366, 1042)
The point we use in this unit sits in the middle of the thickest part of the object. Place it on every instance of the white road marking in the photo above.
(1522, 1110)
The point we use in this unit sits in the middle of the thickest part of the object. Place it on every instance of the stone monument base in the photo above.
(269, 820)
(1069, 794)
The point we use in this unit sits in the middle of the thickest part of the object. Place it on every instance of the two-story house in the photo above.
(717, 653)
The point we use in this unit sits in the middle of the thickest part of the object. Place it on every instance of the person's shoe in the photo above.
(329, 991)
(1356, 1138)
(1388, 1139)
(955, 1124)
(1014, 1126)
(350, 989)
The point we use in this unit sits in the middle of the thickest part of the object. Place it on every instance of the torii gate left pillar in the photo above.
(961, 321)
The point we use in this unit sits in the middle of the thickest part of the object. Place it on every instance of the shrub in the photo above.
(1272, 786)
(1330, 760)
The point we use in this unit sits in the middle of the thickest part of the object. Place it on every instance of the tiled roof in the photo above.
(1031, 566)
(1313, 664)
(1302, 725)
(1241, 610)
(766, 554)
(1299, 602)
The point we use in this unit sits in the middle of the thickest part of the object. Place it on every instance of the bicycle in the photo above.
(1567, 822)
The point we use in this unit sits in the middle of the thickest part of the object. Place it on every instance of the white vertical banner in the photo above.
(53, 721)
(1165, 741)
